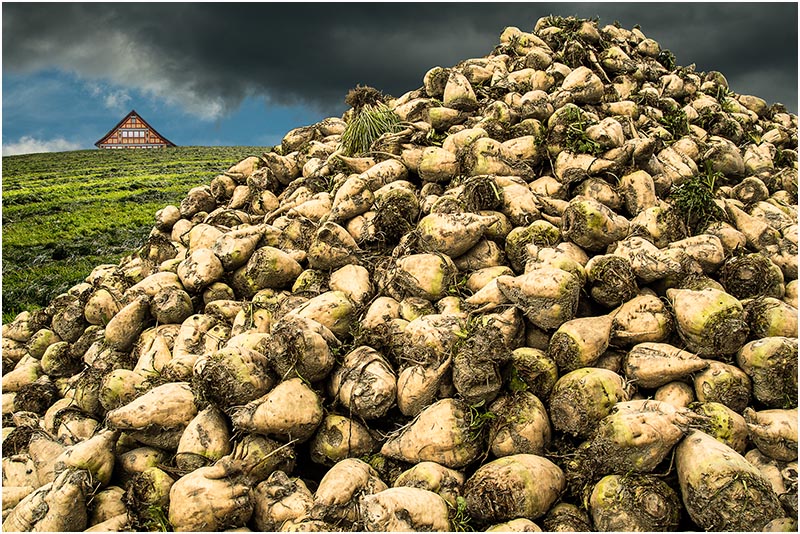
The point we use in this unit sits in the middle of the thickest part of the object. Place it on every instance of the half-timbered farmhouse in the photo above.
(133, 132)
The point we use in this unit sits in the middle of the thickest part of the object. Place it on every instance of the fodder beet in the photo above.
(513, 295)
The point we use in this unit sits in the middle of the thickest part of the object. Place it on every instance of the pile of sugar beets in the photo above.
(554, 288)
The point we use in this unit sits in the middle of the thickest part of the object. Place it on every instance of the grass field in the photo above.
(65, 213)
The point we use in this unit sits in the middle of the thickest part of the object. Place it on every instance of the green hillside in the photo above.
(65, 213)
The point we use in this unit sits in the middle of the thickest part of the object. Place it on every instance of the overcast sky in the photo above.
(245, 74)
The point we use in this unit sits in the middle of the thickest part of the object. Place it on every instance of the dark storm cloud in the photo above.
(208, 57)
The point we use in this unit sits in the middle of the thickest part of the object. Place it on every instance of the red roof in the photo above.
(126, 117)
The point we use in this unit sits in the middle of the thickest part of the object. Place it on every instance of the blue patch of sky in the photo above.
(52, 104)
(252, 123)
(47, 105)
